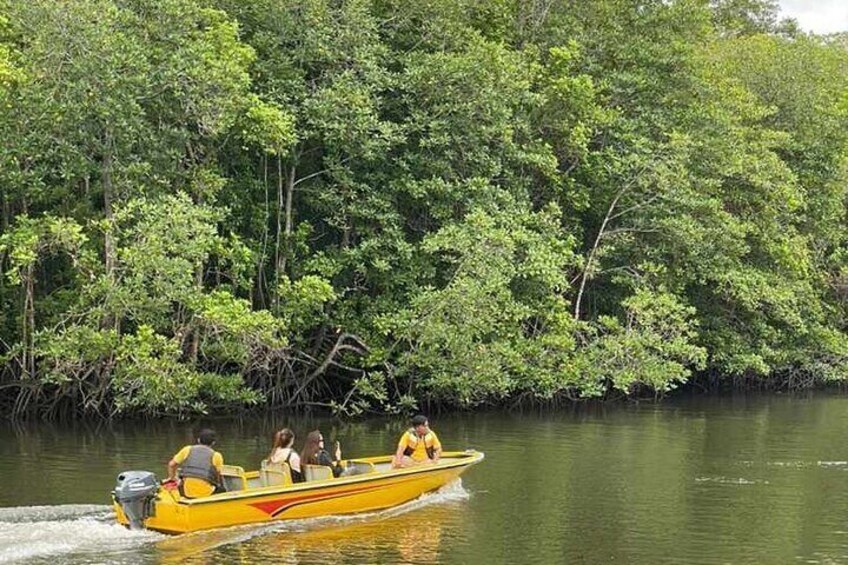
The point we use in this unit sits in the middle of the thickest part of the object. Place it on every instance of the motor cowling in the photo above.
(136, 492)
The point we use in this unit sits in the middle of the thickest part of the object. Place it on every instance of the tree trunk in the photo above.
(278, 233)
(109, 251)
(198, 284)
(285, 204)
(195, 337)
(594, 250)
(346, 236)
(260, 288)
(6, 217)
(288, 218)
(108, 199)
(29, 322)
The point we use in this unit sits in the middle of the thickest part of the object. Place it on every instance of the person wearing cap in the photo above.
(418, 445)
(199, 467)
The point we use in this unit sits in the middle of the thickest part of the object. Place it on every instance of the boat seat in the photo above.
(317, 472)
(274, 474)
(233, 477)
(383, 467)
(358, 468)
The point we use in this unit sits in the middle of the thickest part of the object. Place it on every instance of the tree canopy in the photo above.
(373, 204)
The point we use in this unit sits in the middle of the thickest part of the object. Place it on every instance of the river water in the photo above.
(743, 479)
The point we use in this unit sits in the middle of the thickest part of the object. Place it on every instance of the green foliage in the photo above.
(69, 355)
(745, 17)
(268, 127)
(9, 74)
(471, 337)
(302, 302)
(232, 332)
(150, 377)
(31, 238)
(652, 347)
(368, 204)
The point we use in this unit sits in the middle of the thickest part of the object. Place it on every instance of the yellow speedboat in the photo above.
(268, 494)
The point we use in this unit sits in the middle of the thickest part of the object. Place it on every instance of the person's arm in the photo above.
(217, 463)
(323, 458)
(437, 448)
(294, 461)
(337, 464)
(175, 462)
(326, 460)
(172, 470)
(398, 458)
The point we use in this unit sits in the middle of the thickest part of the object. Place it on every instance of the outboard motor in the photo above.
(136, 493)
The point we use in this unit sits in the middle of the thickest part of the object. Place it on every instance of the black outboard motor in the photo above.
(136, 493)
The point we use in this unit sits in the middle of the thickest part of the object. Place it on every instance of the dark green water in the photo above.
(721, 480)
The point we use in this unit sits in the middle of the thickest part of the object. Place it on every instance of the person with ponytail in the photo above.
(282, 451)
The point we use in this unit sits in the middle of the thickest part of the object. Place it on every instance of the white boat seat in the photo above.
(317, 472)
(233, 477)
(358, 468)
(274, 474)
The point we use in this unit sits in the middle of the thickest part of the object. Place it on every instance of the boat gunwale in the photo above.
(463, 459)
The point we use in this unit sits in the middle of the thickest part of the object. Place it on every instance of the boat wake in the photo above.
(31, 532)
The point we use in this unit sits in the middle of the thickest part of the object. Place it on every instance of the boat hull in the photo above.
(345, 495)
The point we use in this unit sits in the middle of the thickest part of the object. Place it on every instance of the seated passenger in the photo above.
(283, 452)
(418, 445)
(314, 453)
(199, 467)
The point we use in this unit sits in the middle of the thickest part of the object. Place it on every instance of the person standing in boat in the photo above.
(199, 467)
(282, 451)
(314, 453)
(418, 445)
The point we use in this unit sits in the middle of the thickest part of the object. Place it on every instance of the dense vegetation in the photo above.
(367, 204)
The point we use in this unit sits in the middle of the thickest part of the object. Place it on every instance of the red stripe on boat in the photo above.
(275, 507)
